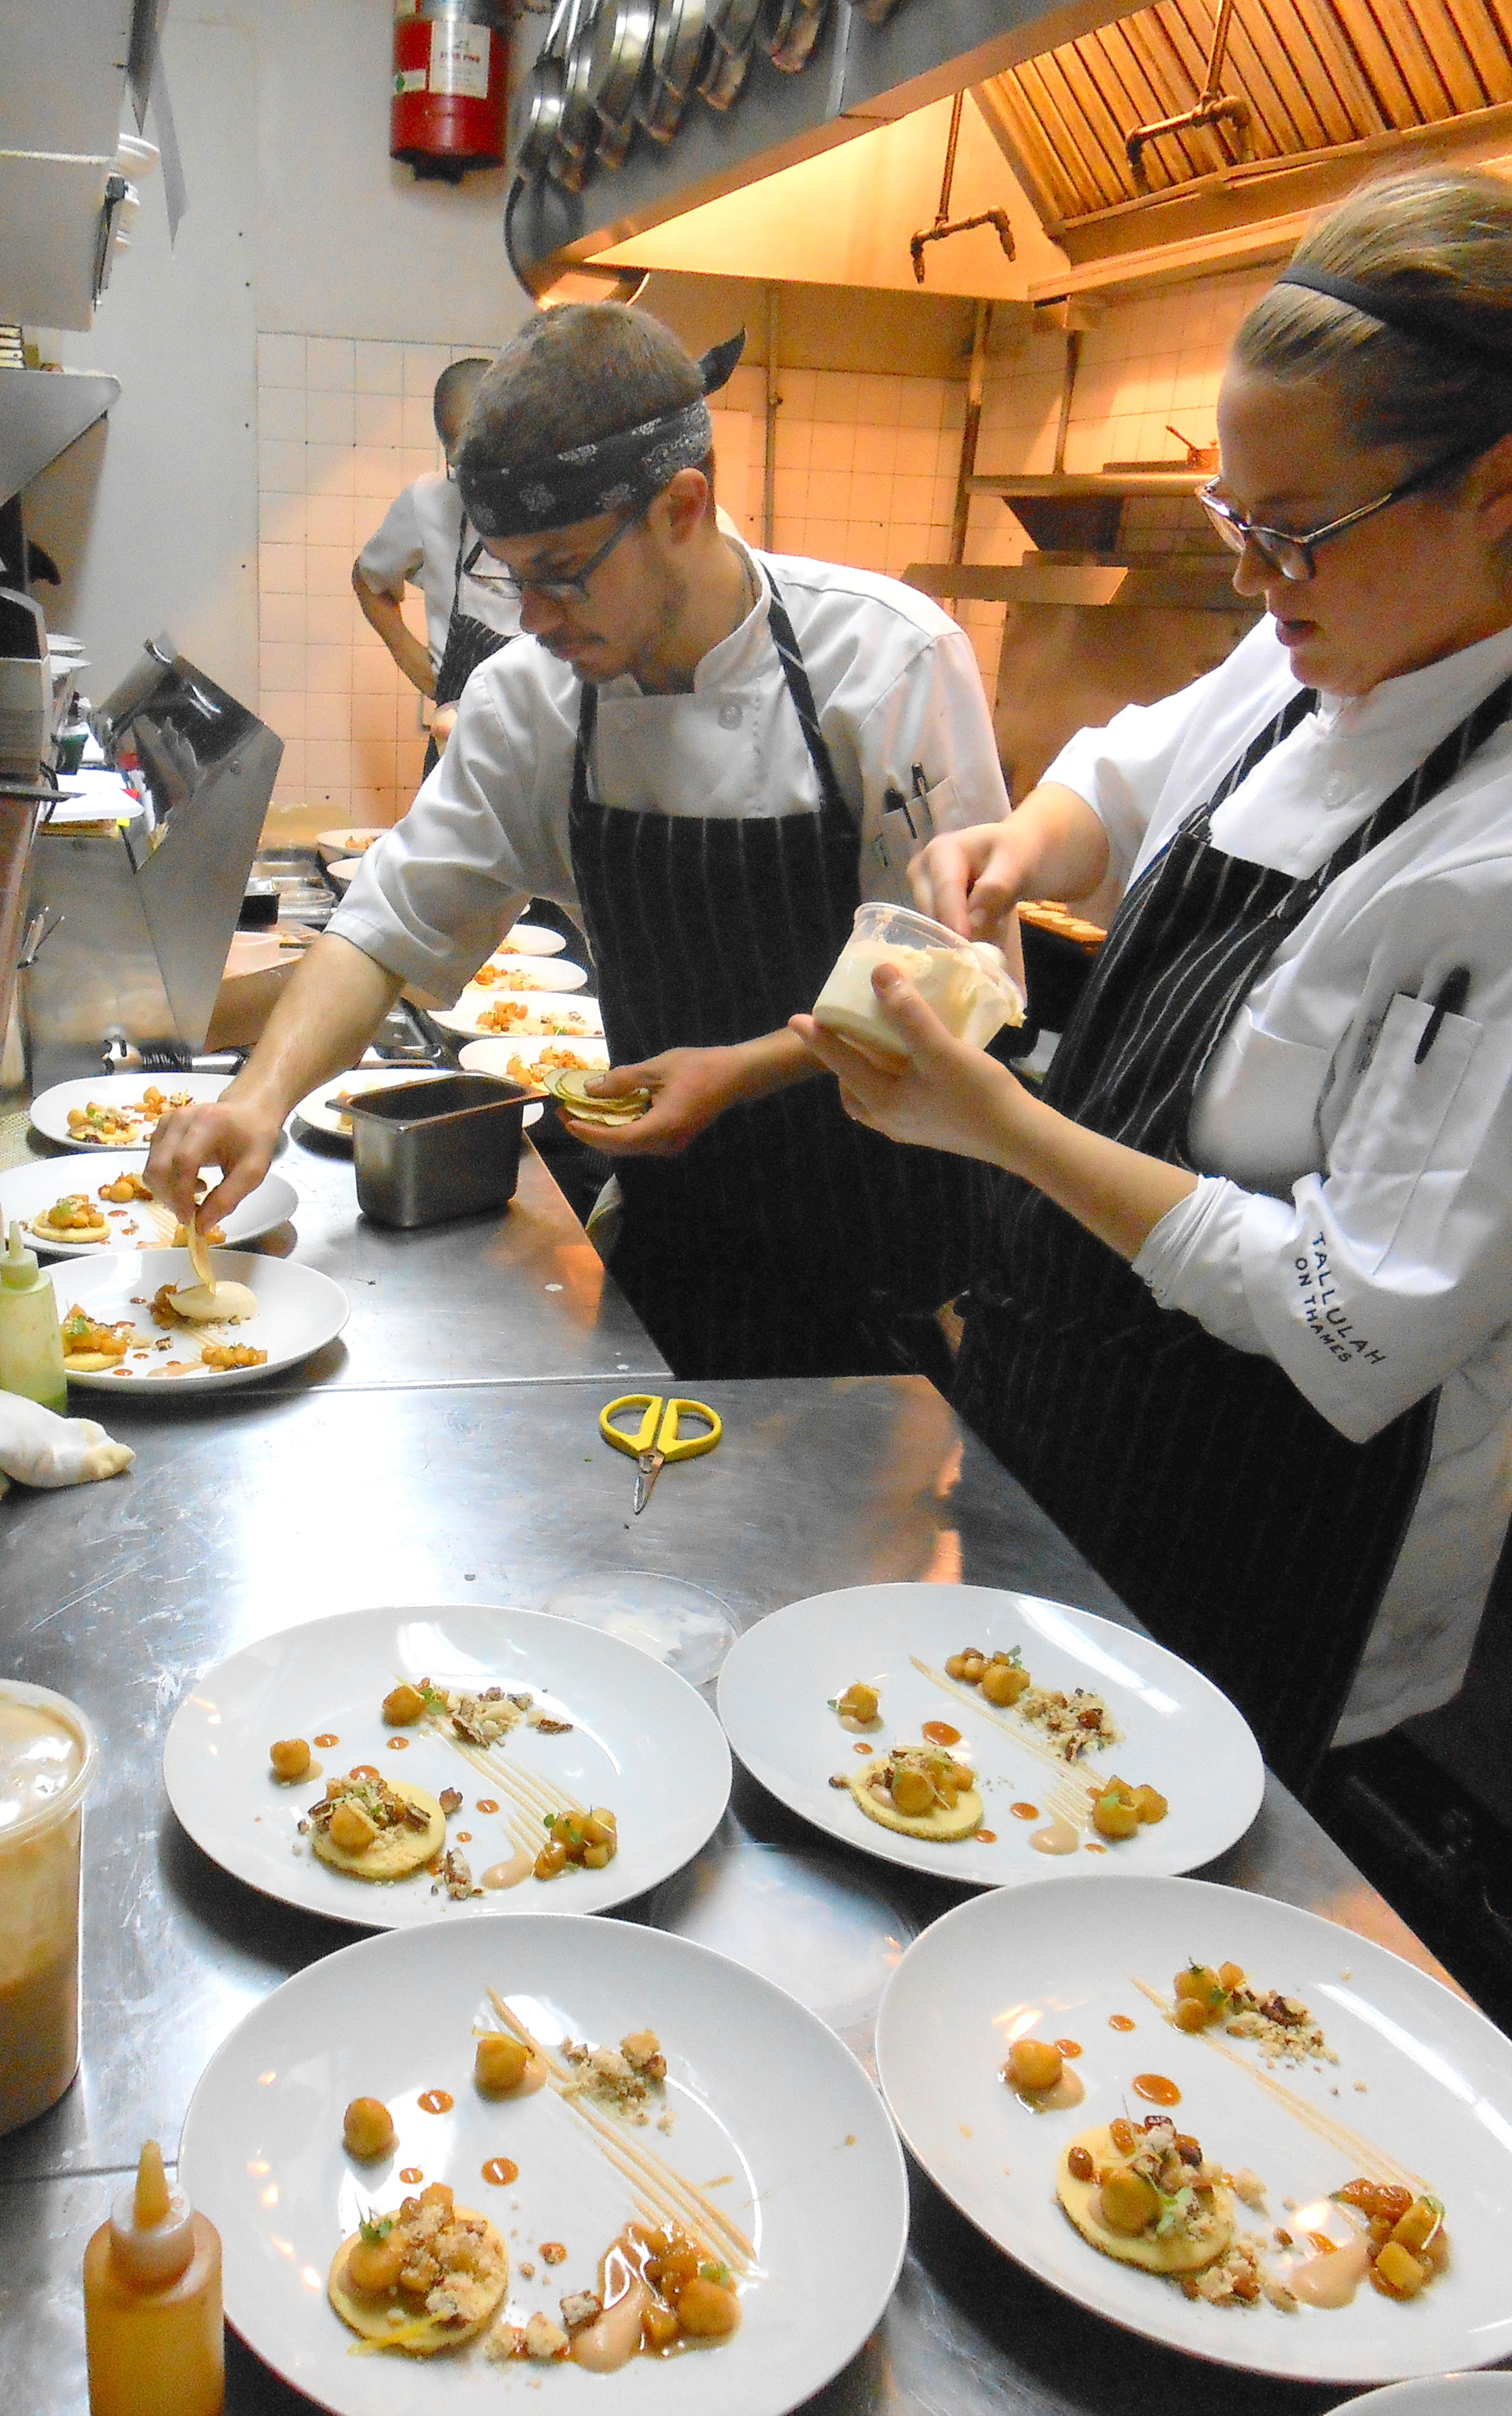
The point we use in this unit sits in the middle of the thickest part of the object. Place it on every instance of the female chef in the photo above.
(1244, 1331)
(708, 756)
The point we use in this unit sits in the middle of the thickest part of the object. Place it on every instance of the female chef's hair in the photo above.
(1401, 300)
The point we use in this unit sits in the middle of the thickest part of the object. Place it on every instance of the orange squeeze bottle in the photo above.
(153, 2321)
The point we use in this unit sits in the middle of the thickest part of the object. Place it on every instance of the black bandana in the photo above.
(619, 473)
(1412, 314)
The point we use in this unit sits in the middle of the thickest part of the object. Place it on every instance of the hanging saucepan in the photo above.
(733, 24)
(543, 92)
(789, 31)
(621, 54)
(572, 153)
(678, 47)
(876, 12)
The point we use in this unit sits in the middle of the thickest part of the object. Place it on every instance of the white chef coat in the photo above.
(896, 684)
(417, 545)
(1354, 1216)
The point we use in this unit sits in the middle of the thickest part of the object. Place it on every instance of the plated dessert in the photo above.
(152, 1318)
(545, 2157)
(1046, 1744)
(552, 1765)
(1296, 2157)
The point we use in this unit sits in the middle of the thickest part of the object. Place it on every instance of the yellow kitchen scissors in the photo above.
(657, 1439)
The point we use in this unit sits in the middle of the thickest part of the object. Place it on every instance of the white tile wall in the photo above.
(864, 474)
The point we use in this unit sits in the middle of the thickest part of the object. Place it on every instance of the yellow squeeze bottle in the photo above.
(153, 2321)
(31, 1344)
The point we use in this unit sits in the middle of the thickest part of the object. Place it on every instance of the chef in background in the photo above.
(424, 541)
(708, 756)
(1245, 1331)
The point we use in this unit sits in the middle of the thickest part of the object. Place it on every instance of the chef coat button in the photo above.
(730, 717)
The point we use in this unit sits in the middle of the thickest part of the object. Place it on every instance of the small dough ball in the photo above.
(1003, 1685)
(290, 1758)
(1112, 1818)
(500, 2063)
(707, 2309)
(1034, 2064)
(373, 2266)
(402, 1708)
(912, 1792)
(368, 2133)
(351, 1827)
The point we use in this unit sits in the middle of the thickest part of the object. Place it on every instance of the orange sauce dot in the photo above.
(411, 2173)
(328, 1739)
(399, 1744)
(363, 1770)
(1069, 2046)
(939, 1732)
(500, 2171)
(1119, 2022)
(1155, 2088)
(486, 1804)
(553, 2252)
(1096, 1849)
(464, 1837)
(435, 2100)
(1024, 1811)
(987, 1836)
(861, 1749)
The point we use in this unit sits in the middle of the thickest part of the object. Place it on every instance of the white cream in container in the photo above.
(967, 982)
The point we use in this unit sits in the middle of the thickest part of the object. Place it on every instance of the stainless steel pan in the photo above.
(619, 61)
(677, 48)
(544, 92)
(789, 31)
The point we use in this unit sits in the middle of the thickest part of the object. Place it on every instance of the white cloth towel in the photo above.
(38, 1448)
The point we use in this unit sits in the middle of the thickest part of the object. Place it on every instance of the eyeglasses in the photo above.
(1290, 550)
(555, 591)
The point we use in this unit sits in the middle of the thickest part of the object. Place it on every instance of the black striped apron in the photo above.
(469, 642)
(786, 1240)
(1245, 1531)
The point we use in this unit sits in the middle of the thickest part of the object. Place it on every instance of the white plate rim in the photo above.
(908, 1854)
(990, 1906)
(157, 1267)
(886, 2145)
(175, 1751)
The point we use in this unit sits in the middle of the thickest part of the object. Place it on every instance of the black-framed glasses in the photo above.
(555, 591)
(1290, 550)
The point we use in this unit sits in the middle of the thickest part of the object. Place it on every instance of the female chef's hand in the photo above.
(944, 1096)
(972, 880)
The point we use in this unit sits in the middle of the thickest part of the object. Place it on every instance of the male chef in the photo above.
(708, 756)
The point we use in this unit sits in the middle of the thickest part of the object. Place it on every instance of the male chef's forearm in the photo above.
(334, 1004)
(1062, 843)
(773, 1062)
(384, 613)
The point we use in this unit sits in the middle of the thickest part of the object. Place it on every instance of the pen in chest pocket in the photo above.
(1450, 1001)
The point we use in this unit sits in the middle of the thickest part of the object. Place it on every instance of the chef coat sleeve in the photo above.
(435, 893)
(933, 715)
(1378, 1277)
(396, 549)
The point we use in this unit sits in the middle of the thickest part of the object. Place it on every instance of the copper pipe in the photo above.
(1213, 106)
(943, 224)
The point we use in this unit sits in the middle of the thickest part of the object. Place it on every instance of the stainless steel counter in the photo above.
(284, 1506)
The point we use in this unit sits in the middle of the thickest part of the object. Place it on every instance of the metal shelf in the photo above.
(41, 411)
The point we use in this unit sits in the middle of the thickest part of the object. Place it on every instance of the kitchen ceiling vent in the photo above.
(1317, 75)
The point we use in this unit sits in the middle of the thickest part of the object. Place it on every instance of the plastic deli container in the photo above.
(967, 982)
(48, 1762)
(427, 1151)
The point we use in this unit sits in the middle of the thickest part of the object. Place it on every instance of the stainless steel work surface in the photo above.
(285, 1507)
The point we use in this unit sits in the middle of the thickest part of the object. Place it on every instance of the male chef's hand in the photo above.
(943, 1096)
(970, 880)
(238, 1135)
(689, 1087)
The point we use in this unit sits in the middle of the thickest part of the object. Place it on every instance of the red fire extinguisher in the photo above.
(451, 85)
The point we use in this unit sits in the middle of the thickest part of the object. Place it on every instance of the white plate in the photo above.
(314, 1112)
(529, 940)
(300, 1310)
(464, 1017)
(50, 1112)
(759, 2090)
(27, 1191)
(494, 1056)
(643, 1742)
(1441, 2395)
(1436, 2098)
(344, 869)
(1181, 1735)
(343, 844)
(527, 975)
